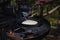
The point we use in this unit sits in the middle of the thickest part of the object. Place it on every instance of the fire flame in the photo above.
(11, 34)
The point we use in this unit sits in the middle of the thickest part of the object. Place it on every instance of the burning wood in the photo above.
(12, 35)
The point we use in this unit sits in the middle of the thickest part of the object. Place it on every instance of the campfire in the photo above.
(29, 28)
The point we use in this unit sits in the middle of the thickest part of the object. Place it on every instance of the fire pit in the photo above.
(29, 28)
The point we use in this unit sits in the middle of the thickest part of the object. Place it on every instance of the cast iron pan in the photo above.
(35, 32)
